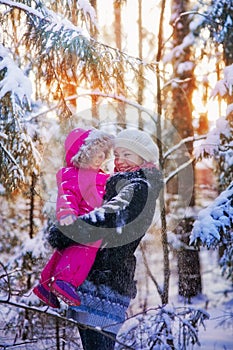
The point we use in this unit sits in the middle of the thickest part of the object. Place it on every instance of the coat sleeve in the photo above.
(69, 196)
(115, 214)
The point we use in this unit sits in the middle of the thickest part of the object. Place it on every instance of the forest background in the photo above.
(162, 66)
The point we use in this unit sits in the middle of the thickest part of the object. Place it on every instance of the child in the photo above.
(81, 186)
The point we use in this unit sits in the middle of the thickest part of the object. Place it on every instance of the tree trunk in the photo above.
(188, 261)
(94, 99)
(164, 238)
(140, 55)
(121, 122)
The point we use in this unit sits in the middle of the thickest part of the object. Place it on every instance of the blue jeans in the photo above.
(93, 340)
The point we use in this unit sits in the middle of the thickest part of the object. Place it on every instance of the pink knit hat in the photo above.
(73, 143)
(80, 145)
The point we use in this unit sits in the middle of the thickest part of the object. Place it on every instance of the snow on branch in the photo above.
(88, 11)
(18, 172)
(211, 145)
(214, 222)
(14, 81)
(179, 50)
(65, 52)
(21, 6)
(183, 142)
(189, 39)
(53, 315)
(225, 85)
(165, 328)
(178, 170)
(54, 23)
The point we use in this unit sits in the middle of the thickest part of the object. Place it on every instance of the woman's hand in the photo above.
(57, 239)
(67, 220)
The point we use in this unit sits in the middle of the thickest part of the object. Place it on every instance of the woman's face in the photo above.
(126, 160)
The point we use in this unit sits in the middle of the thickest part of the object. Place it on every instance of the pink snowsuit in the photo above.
(79, 192)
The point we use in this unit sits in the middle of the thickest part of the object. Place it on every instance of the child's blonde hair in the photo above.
(96, 141)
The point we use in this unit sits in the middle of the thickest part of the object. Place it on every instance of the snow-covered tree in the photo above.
(180, 112)
(214, 226)
(57, 52)
(56, 47)
(19, 157)
(219, 20)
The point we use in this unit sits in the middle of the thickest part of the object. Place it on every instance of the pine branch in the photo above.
(52, 20)
(64, 49)
(13, 161)
(215, 221)
(23, 7)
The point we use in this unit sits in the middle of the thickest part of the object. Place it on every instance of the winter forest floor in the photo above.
(217, 292)
(216, 298)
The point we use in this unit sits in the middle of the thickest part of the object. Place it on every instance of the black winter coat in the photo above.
(122, 221)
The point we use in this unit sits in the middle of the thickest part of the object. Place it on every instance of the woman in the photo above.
(122, 221)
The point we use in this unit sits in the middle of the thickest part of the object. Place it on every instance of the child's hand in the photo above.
(67, 220)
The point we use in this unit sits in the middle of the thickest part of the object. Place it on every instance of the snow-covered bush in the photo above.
(165, 328)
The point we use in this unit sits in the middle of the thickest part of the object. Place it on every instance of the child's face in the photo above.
(97, 159)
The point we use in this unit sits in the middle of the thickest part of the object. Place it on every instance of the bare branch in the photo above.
(57, 316)
(180, 168)
(116, 97)
(182, 142)
(149, 271)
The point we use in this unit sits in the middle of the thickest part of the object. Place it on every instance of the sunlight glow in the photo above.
(205, 71)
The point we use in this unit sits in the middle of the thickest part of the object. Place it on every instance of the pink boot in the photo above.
(66, 291)
(46, 296)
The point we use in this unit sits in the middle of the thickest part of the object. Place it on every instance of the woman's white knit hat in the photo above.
(139, 142)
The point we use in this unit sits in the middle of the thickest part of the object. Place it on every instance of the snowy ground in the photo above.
(216, 299)
(219, 293)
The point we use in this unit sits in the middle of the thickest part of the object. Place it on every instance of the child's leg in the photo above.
(75, 263)
(49, 269)
(42, 290)
(71, 271)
